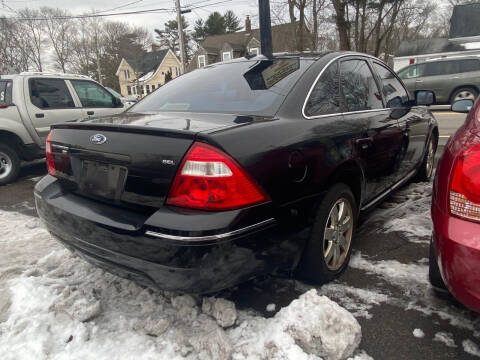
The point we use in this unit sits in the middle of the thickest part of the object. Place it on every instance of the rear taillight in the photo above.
(209, 179)
(49, 156)
(465, 185)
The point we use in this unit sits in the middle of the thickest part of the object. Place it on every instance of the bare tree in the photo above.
(33, 32)
(12, 49)
(60, 30)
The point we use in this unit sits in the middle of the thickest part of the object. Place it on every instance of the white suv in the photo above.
(31, 102)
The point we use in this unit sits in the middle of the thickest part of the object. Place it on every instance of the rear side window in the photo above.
(469, 65)
(50, 94)
(6, 92)
(325, 97)
(442, 68)
(393, 90)
(93, 95)
(359, 87)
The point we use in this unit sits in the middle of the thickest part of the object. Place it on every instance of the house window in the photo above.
(201, 61)
(254, 51)
(153, 87)
(143, 90)
(176, 71)
(127, 73)
(227, 56)
(148, 89)
(129, 90)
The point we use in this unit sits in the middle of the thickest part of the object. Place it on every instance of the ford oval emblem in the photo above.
(98, 139)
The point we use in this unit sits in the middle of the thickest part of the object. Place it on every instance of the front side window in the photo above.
(50, 94)
(6, 92)
(227, 56)
(92, 94)
(393, 90)
(412, 72)
(325, 96)
(358, 86)
(201, 61)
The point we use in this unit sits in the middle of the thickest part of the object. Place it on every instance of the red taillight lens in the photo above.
(209, 179)
(465, 185)
(49, 155)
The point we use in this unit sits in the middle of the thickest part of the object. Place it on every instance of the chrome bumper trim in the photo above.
(210, 237)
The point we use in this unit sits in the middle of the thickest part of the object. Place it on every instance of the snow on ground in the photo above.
(418, 333)
(446, 338)
(56, 306)
(392, 270)
(470, 347)
(408, 211)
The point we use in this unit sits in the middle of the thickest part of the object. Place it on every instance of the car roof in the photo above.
(47, 75)
(453, 59)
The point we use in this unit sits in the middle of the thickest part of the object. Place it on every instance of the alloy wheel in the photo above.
(464, 95)
(430, 159)
(5, 165)
(338, 234)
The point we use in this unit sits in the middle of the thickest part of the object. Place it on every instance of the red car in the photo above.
(455, 246)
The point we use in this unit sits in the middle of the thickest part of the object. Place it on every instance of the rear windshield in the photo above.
(244, 87)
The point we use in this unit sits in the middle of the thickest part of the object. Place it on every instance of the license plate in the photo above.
(104, 180)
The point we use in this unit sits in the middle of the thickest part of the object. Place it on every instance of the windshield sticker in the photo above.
(279, 70)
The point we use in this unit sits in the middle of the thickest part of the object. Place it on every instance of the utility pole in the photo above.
(265, 28)
(181, 38)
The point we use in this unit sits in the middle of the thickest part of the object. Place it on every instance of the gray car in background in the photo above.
(449, 79)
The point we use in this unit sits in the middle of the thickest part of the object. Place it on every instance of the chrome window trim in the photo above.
(365, 56)
(209, 237)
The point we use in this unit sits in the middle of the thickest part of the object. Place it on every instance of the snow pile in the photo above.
(357, 301)
(64, 308)
(310, 325)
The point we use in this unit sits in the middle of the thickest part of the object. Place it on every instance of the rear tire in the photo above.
(425, 171)
(464, 94)
(328, 250)
(434, 272)
(9, 164)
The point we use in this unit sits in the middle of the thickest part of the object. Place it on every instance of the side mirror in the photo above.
(462, 106)
(117, 102)
(425, 97)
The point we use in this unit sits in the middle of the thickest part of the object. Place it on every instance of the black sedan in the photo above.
(237, 169)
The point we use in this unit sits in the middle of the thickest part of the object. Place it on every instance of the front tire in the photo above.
(425, 171)
(328, 250)
(9, 164)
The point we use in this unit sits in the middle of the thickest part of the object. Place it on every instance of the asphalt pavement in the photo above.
(382, 287)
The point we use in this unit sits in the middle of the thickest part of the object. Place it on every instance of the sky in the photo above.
(150, 20)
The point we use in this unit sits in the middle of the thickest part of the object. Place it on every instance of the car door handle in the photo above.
(39, 116)
(364, 143)
(455, 77)
(418, 81)
(90, 112)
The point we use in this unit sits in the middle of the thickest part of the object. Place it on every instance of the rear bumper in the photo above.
(233, 247)
(457, 249)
